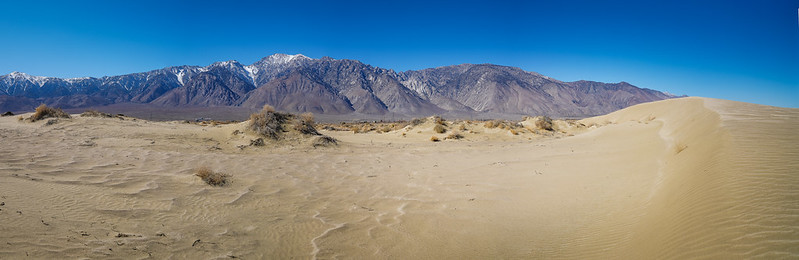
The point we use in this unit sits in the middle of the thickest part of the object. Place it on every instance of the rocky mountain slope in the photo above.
(296, 83)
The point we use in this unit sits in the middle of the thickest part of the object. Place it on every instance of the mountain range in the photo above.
(296, 83)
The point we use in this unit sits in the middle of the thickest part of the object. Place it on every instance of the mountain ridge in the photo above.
(297, 83)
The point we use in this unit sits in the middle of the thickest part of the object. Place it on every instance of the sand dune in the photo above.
(675, 179)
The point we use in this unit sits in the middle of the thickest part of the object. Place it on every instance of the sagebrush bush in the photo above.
(306, 125)
(94, 113)
(325, 141)
(543, 122)
(454, 136)
(439, 129)
(211, 177)
(44, 111)
(434, 139)
(268, 123)
(439, 120)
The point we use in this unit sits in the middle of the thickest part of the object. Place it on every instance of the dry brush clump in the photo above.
(211, 177)
(434, 139)
(325, 141)
(454, 136)
(268, 123)
(543, 122)
(439, 129)
(305, 124)
(44, 111)
(95, 113)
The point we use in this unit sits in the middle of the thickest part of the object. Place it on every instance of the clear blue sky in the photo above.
(739, 50)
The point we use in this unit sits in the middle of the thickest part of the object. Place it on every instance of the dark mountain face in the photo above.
(327, 86)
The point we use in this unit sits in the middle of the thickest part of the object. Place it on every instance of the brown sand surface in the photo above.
(675, 179)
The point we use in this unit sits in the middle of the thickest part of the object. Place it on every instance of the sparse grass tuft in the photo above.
(211, 177)
(44, 111)
(434, 139)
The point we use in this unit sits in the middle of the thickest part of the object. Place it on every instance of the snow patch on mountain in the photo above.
(253, 72)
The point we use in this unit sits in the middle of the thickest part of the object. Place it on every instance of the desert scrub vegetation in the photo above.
(211, 177)
(325, 141)
(44, 111)
(454, 136)
(434, 139)
(94, 113)
(305, 124)
(439, 129)
(268, 123)
(543, 122)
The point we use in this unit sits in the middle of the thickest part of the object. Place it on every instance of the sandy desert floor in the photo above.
(677, 179)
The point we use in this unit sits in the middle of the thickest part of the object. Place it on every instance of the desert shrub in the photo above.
(51, 122)
(9, 113)
(94, 113)
(514, 132)
(211, 177)
(305, 124)
(462, 127)
(268, 123)
(434, 139)
(417, 121)
(439, 129)
(257, 142)
(439, 120)
(491, 124)
(44, 111)
(454, 136)
(543, 122)
(325, 141)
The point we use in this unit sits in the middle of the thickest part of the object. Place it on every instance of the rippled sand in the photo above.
(676, 179)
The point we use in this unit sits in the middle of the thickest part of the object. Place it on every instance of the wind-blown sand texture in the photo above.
(676, 179)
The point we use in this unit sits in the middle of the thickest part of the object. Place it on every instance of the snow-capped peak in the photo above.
(38, 80)
(280, 58)
(227, 64)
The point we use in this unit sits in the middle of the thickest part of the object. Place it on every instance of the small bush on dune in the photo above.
(306, 125)
(439, 120)
(454, 136)
(439, 129)
(94, 113)
(543, 122)
(211, 177)
(417, 121)
(268, 123)
(325, 141)
(434, 139)
(44, 111)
